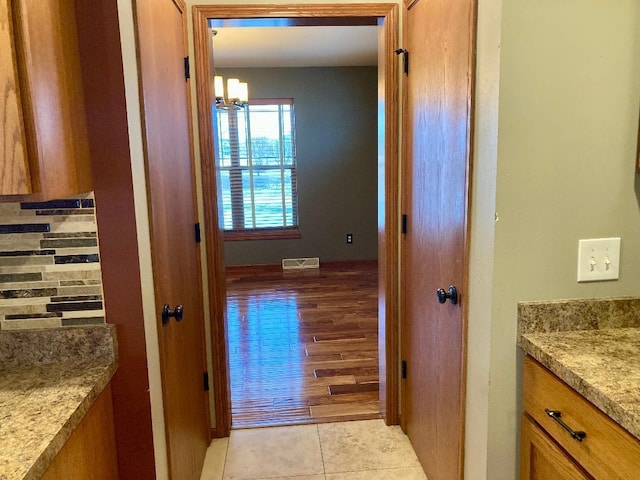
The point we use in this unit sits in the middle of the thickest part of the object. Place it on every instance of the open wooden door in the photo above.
(161, 27)
(440, 38)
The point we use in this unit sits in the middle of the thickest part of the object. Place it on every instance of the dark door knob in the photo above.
(167, 313)
(443, 295)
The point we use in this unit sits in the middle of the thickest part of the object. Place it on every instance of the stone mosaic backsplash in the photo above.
(50, 264)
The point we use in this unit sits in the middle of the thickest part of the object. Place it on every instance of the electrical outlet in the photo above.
(598, 259)
(349, 237)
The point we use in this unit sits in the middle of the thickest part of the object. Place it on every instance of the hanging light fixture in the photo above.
(237, 92)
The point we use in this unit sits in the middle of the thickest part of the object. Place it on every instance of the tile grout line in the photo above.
(226, 456)
(324, 470)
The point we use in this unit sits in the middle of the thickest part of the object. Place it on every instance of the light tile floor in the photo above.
(361, 450)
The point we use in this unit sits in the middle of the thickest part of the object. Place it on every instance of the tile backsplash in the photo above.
(50, 264)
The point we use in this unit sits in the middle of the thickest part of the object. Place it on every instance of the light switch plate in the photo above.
(598, 259)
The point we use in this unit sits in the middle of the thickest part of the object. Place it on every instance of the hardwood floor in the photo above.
(303, 344)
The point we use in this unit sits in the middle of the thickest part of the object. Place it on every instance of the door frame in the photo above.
(388, 191)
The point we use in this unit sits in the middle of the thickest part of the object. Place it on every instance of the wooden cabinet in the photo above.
(607, 451)
(90, 452)
(542, 458)
(44, 149)
(14, 176)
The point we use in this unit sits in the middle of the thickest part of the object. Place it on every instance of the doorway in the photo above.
(387, 190)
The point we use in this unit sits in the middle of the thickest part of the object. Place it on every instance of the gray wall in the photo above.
(336, 127)
(569, 91)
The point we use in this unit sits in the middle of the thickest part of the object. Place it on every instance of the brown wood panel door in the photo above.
(440, 41)
(175, 254)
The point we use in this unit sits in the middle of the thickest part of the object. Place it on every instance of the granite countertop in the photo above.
(48, 381)
(593, 346)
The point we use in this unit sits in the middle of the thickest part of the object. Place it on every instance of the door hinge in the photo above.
(187, 69)
(405, 59)
(403, 369)
(404, 223)
(205, 378)
(198, 236)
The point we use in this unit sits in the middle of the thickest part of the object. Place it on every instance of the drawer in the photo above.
(607, 452)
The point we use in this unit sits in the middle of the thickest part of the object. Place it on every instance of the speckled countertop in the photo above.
(48, 381)
(593, 346)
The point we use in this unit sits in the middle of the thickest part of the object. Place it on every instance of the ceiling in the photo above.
(295, 46)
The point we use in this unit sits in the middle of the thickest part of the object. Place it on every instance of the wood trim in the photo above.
(388, 230)
(213, 233)
(258, 268)
(277, 268)
(261, 234)
(335, 264)
(467, 236)
(298, 22)
(403, 207)
(182, 6)
(294, 10)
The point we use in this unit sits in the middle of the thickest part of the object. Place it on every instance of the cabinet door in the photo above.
(46, 42)
(542, 459)
(14, 169)
(90, 452)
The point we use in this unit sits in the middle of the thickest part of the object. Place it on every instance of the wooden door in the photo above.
(175, 254)
(440, 41)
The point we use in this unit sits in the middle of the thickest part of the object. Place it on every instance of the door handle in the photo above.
(442, 295)
(167, 313)
(575, 434)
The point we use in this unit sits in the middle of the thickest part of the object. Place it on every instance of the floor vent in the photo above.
(298, 263)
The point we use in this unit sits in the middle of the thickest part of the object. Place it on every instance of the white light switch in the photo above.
(598, 259)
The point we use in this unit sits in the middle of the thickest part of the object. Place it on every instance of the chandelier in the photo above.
(237, 92)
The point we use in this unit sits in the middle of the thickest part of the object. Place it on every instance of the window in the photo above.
(257, 162)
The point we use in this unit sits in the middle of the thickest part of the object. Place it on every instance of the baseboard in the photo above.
(275, 268)
(215, 433)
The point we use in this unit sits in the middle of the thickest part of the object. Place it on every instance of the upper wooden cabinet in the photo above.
(14, 177)
(44, 147)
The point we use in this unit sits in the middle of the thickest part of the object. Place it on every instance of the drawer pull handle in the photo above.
(556, 414)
